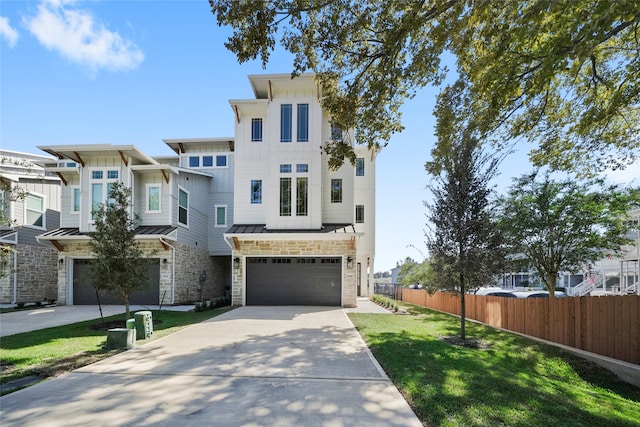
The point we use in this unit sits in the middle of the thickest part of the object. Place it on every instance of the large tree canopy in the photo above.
(562, 73)
(563, 225)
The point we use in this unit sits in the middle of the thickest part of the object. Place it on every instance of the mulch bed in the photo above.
(474, 343)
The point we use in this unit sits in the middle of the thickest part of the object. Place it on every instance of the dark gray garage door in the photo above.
(294, 281)
(84, 293)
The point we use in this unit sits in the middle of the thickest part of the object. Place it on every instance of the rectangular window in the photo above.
(302, 168)
(286, 120)
(302, 192)
(256, 191)
(285, 168)
(153, 198)
(97, 198)
(75, 207)
(336, 191)
(194, 161)
(221, 216)
(336, 133)
(207, 161)
(285, 196)
(256, 130)
(96, 174)
(183, 207)
(112, 174)
(303, 123)
(221, 161)
(360, 166)
(35, 210)
(359, 214)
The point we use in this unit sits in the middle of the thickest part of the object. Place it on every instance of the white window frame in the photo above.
(201, 156)
(75, 188)
(359, 207)
(215, 209)
(180, 207)
(147, 187)
(255, 138)
(251, 196)
(43, 213)
(105, 181)
(360, 162)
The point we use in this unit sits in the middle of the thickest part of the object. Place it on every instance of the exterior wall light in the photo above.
(349, 262)
(60, 263)
(236, 263)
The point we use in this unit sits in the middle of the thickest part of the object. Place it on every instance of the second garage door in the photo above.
(294, 281)
(84, 292)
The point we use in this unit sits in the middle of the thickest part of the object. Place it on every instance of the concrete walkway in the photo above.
(48, 317)
(252, 366)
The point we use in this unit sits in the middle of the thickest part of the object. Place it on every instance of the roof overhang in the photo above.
(79, 153)
(180, 145)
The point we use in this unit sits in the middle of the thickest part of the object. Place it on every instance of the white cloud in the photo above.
(61, 26)
(7, 32)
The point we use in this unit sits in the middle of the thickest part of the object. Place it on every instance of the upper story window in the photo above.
(66, 164)
(285, 196)
(336, 191)
(153, 198)
(286, 168)
(286, 122)
(302, 196)
(101, 183)
(256, 130)
(256, 191)
(208, 161)
(360, 166)
(303, 123)
(221, 215)
(336, 133)
(35, 211)
(183, 207)
(75, 206)
(359, 214)
(302, 168)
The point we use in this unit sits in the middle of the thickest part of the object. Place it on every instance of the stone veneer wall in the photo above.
(36, 275)
(190, 262)
(296, 248)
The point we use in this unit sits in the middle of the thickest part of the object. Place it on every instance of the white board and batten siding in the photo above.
(142, 182)
(198, 188)
(49, 190)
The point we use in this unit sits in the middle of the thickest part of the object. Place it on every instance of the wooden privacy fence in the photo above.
(606, 325)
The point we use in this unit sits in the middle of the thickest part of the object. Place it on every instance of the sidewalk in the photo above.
(48, 317)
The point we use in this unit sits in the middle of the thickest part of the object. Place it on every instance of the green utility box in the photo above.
(144, 324)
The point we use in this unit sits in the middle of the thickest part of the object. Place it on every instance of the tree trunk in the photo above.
(463, 333)
(126, 306)
(553, 280)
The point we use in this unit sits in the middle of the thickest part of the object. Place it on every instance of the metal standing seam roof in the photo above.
(261, 228)
(146, 230)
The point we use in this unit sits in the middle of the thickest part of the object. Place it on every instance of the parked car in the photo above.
(537, 294)
(494, 292)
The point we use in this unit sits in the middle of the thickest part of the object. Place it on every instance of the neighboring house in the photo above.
(30, 275)
(301, 234)
(172, 203)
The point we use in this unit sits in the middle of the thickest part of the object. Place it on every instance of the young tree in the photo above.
(564, 225)
(7, 194)
(565, 73)
(118, 266)
(412, 273)
(464, 245)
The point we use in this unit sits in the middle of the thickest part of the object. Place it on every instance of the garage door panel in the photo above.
(294, 281)
(84, 293)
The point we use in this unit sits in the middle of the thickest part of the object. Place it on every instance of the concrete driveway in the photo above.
(253, 366)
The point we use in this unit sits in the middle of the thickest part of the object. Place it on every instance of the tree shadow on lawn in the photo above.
(515, 382)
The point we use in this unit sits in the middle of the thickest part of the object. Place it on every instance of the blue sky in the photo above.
(135, 72)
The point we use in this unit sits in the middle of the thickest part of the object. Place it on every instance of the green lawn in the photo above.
(52, 351)
(516, 382)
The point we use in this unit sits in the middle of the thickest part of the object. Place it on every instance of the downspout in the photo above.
(15, 278)
(173, 270)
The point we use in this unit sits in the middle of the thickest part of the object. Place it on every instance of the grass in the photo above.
(53, 351)
(516, 382)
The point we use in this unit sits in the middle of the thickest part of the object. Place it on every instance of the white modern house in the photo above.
(302, 234)
(258, 216)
